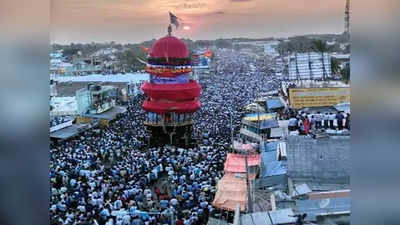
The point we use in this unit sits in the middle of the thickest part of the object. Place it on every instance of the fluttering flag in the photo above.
(173, 20)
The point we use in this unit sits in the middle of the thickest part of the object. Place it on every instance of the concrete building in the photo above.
(309, 66)
(324, 164)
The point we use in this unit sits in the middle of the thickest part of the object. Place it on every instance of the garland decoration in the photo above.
(167, 72)
(169, 61)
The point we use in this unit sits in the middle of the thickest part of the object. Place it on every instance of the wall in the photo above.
(325, 159)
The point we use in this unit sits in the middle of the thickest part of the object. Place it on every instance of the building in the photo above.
(270, 48)
(323, 164)
(172, 94)
(97, 102)
(309, 66)
(94, 99)
(257, 127)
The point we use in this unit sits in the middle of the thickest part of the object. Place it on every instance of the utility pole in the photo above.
(347, 19)
(231, 130)
(249, 198)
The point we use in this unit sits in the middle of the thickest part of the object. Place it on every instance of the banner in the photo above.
(314, 97)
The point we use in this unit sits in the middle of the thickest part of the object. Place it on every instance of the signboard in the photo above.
(261, 116)
(314, 97)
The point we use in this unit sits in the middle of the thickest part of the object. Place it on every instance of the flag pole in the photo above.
(169, 30)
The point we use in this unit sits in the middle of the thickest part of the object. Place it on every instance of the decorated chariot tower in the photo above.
(172, 94)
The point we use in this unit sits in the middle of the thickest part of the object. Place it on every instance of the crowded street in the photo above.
(109, 176)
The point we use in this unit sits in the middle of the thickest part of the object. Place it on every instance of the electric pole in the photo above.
(347, 19)
(249, 198)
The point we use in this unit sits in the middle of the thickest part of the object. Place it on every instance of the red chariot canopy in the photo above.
(165, 107)
(169, 47)
(175, 92)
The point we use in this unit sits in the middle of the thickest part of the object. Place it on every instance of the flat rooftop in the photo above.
(324, 160)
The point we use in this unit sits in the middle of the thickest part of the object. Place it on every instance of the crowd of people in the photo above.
(109, 176)
(306, 122)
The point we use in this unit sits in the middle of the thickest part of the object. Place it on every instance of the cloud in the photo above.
(197, 5)
(207, 14)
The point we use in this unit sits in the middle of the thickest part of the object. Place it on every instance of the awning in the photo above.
(230, 192)
(236, 163)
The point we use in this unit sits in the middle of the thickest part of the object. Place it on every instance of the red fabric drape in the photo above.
(164, 107)
(177, 92)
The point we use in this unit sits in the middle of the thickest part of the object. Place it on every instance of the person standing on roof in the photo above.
(318, 120)
(306, 124)
(313, 122)
(332, 118)
(339, 119)
(300, 218)
(326, 120)
(292, 124)
(347, 123)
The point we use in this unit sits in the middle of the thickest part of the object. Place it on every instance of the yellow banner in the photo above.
(314, 97)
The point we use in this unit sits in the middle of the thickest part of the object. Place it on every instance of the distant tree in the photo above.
(203, 43)
(70, 51)
(347, 49)
(129, 58)
(335, 68)
(221, 43)
(321, 47)
(345, 72)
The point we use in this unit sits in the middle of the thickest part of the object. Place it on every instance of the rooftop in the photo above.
(324, 160)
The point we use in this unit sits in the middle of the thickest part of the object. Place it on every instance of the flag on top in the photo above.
(173, 20)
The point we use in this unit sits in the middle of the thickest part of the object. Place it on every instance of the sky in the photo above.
(134, 21)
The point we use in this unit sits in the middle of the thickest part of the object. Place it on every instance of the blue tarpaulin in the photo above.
(269, 124)
(271, 166)
(274, 103)
(269, 146)
(274, 172)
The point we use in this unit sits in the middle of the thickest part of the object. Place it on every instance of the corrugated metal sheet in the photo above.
(282, 216)
(328, 205)
(214, 221)
(329, 194)
(301, 189)
(309, 66)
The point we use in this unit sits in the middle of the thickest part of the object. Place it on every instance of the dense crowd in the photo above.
(109, 176)
(303, 122)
